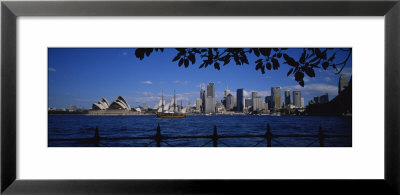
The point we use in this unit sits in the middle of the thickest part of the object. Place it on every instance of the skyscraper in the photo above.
(268, 100)
(210, 99)
(211, 90)
(203, 98)
(276, 94)
(257, 102)
(199, 103)
(343, 83)
(287, 97)
(302, 102)
(227, 92)
(209, 105)
(230, 102)
(239, 100)
(297, 99)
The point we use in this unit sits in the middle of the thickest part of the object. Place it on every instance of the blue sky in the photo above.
(82, 76)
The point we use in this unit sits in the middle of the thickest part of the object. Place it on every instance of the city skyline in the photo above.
(83, 76)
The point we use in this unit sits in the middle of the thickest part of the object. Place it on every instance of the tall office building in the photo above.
(343, 83)
(230, 102)
(302, 102)
(239, 100)
(276, 94)
(210, 99)
(211, 90)
(227, 92)
(203, 98)
(253, 98)
(257, 102)
(287, 97)
(199, 103)
(297, 99)
(268, 100)
(209, 105)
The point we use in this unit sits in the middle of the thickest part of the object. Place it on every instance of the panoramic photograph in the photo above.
(199, 97)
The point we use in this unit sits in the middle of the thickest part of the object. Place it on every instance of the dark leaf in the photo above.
(202, 65)
(269, 66)
(275, 63)
(301, 83)
(332, 57)
(265, 51)
(176, 58)
(186, 63)
(303, 57)
(216, 66)
(256, 52)
(290, 60)
(180, 62)
(314, 59)
(325, 65)
(275, 49)
(192, 58)
(139, 53)
(318, 52)
(148, 51)
(290, 72)
(279, 55)
(298, 76)
(310, 72)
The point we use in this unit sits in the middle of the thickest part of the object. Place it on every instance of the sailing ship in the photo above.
(170, 110)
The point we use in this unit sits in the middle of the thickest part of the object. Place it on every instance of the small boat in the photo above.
(167, 111)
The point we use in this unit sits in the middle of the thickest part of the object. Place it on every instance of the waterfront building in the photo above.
(276, 94)
(211, 90)
(297, 98)
(324, 99)
(209, 105)
(248, 103)
(101, 105)
(203, 98)
(343, 83)
(302, 102)
(257, 102)
(199, 103)
(120, 104)
(210, 99)
(219, 107)
(287, 97)
(239, 100)
(268, 100)
(230, 102)
(227, 92)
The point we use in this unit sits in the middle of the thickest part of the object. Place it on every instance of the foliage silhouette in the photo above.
(268, 59)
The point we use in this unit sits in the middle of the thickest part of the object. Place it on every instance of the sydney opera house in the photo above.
(118, 107)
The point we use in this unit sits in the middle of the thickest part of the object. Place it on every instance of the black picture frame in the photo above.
(11, 10)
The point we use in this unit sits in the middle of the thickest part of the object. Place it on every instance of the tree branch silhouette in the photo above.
(267, 59)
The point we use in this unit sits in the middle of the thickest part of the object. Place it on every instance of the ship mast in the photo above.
(162, 101)
(174, 101)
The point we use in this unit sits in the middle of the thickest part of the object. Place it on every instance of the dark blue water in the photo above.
(82, 126)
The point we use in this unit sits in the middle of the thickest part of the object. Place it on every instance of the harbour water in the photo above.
(83, 126)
